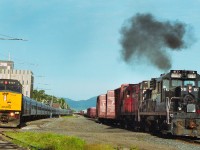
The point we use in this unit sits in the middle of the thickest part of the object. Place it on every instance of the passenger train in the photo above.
(15, 108)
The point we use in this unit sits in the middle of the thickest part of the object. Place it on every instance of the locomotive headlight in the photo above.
(190, 89)
(12, 114)
(179, 108)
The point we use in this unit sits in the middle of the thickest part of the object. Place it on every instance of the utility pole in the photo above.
(51, 107)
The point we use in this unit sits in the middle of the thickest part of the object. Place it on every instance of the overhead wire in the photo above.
(11, 38)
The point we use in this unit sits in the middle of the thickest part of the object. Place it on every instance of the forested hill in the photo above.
(81, 104)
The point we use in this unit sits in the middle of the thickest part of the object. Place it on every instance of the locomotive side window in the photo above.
(11, 85)
(189, 82)
(159, 87)
(166, 85)
(2, 87)
(176, 83)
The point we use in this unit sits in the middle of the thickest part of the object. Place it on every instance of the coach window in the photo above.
(198, 83)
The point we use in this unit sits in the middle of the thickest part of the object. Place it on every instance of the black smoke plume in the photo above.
(146, 38)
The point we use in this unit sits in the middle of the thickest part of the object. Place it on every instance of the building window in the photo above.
(27, 82)
(26, 93)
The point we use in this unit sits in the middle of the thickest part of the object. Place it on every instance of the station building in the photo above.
(25, 77)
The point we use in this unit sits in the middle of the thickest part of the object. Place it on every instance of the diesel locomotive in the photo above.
(169, 104)
(15, 108)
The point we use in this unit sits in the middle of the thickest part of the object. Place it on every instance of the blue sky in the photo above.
(74, 45)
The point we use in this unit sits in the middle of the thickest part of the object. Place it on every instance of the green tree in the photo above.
(41, 96)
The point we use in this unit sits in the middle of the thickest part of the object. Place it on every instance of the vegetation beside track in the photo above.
(50, 141)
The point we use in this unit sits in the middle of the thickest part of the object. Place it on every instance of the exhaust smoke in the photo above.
(143, 37)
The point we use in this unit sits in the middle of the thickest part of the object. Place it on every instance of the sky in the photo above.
(74, 48)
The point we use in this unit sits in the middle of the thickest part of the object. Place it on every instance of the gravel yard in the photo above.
(93, 132)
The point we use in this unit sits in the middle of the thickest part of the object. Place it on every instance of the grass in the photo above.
(51, 141)
(98, 147)
(46, 141)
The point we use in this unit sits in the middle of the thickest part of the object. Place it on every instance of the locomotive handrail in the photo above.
(168, 103)
(175, 98)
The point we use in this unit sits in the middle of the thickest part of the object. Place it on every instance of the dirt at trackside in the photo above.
(93, 132)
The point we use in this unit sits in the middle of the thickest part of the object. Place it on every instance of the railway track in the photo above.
(5, 143)
(189, 140)
(183, 143)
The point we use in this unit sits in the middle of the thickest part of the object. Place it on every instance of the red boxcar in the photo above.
(91, 112)
(119, 92)
(130, 100)
(110, 104)
(101, 106)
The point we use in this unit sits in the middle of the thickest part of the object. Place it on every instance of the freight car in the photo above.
(169, 104)
(101, 107)
(16, 108)
(91, 112)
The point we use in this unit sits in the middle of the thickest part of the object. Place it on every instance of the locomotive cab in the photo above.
(185, 92)
(182, 103)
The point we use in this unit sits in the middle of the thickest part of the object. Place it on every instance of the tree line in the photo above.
(41, 96)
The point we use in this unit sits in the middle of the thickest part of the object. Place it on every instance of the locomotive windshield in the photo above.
(176, 83)
(189, 83)
(166, 84)
(10, 85)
